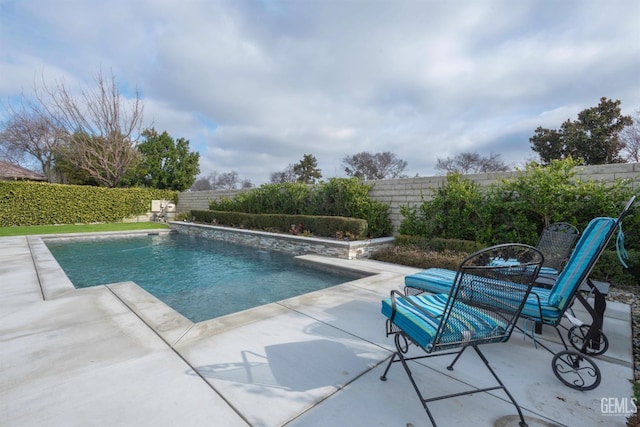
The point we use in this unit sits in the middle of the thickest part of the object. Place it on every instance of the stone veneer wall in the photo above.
(411, 191)
(294, 245)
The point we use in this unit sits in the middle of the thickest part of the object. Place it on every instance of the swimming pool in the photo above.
(199, 278)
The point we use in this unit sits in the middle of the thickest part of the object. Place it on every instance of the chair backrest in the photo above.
(592, 243)
(555, 243)
(487, 296)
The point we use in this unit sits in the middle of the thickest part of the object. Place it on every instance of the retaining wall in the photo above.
(294, 245)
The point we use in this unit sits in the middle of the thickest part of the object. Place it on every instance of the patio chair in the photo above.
(480, 308)
(550, 306)
(555, 243)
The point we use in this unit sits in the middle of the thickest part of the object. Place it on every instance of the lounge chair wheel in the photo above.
(577, 336)
(576, 370)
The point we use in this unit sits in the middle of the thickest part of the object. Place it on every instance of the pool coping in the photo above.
(167, 323)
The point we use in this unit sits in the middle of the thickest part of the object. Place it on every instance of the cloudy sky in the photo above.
(256, 84)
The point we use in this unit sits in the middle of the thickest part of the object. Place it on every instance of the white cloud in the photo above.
(255, 85)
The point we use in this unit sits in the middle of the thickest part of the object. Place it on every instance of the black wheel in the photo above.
(577, 336)
(576, 370)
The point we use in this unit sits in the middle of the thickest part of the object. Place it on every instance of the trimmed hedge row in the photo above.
(345, 197)
(323, 226)
(438, 244)
(26, 203)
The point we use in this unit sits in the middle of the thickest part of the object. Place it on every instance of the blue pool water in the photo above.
(199, 278)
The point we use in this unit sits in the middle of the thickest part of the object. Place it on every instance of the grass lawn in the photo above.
(79, 228)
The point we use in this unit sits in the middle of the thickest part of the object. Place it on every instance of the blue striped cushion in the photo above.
(531, 309)
(421, 326)
(434, 280)
(544, 271)
(548, 271)
(585, 253)
(553, 301)
(439, 281)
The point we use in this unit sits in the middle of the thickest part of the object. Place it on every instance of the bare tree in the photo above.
(102, 128)
(368, 166)
(223, 181)
(468, 162)
(226, 181)
(286, 175)
(201, 184)
(31, 136)
(630, 136)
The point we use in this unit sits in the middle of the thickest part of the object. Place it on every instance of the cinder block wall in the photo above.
(199, 200)
(411, 191)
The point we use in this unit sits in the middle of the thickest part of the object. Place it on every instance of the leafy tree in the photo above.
(367, 166)
(307, 170)
(166, 164)
(467, 162)
(593, 137)
(630, 136)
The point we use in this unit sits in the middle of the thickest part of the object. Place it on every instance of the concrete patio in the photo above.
(115, 356)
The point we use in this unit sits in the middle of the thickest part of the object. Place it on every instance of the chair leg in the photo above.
(522, 423)
(415, 387)
(398, 356)
(450, 367)
(383, 377)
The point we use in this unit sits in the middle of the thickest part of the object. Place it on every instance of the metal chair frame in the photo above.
(555, 243)
(487, 297)
(574, 368)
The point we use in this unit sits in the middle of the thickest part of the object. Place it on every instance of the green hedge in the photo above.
(438, 244)
(26, 203)
(519, 208)
(323, 226)
(345, 197)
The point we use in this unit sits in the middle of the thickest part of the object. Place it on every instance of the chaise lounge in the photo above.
(550, 306)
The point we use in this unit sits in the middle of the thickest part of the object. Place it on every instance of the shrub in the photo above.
(438, 244)
(287, 198)
(519, 208)
(325, 226)
(36, 203)
(346, 197)
(415, 257)
(453, 212)
(609, 269)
